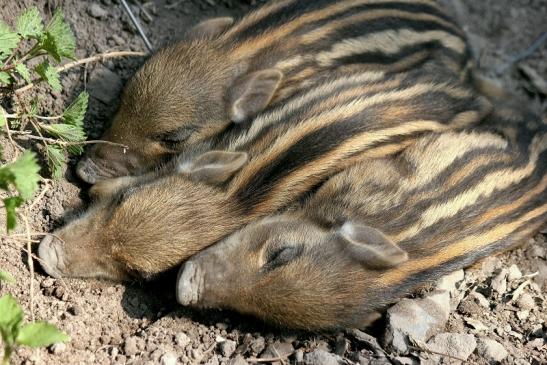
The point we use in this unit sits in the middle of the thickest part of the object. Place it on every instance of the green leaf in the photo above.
(23, 71)
(50, 74)
(40, 334)
(75, 113)
(11, 204)
(29, 23)
(3, 119)
(66, 132)
(59, 41)
(8, 39)
(56, 159)
(23, 173)
(6, 277)
(11, 316)
(5, 78)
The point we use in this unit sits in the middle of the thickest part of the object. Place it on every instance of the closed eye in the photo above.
(173, 139)
(281, 256)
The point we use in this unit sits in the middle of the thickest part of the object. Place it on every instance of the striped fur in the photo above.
(448, 200)
(181, 97)
(292, 149)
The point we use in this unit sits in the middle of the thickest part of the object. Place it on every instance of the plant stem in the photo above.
(7, 354)
(25, 135)
(99, 57)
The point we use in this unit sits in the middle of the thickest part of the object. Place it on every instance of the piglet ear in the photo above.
(210, 28)
(252, 93)
(370, 246)
(214, 167)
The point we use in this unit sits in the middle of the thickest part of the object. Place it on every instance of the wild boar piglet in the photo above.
(150, 224)
(200, 90)
(379, 229)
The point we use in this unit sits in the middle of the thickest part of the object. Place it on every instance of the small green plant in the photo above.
(33, 43)
(16, 333)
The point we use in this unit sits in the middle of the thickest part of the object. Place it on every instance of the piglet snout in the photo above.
(50, 253)
(189, 283)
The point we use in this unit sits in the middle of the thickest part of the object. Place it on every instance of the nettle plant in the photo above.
(15, 333)
(28, 55)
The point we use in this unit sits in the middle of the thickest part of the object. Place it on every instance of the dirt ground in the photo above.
(141, 323)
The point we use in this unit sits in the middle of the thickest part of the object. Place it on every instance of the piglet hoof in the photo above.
(189, 283)
(49, 253)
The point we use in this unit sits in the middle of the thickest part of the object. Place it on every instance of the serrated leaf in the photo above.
(8, 39)
(11, 316)
(22, 173)
(23, 71)
(66, 132)
(6, 277)
(55, 159)
(11, 204)
(58, 40)
(49, 74)
(40, 334)
(75, 112)
(5, 78)
(29, 23)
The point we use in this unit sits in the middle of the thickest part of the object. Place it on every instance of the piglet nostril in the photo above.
(189, 283)
(48, 252)
(86, 171)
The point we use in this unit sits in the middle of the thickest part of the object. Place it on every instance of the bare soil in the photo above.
(141, 323)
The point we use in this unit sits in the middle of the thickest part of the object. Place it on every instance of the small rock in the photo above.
(238, 360)
(448, 282)
(168, 359)
(257, 345)
(523, 315)
(499, 282)
(341, 346)
(299, 356)
(526, 302)
(213, 361)
(47, 283)
(514, 273)
(130, 347)
(399, 360)
(418, 319)
(489, 265)
(490, 350)
(454, 344)
(181, 339)
(105, 85)
(480, 299)
(57, 348)
(278, 349)
(320, 357)
(475, 324)
(97, 11)
(196, 354)
(227, 348)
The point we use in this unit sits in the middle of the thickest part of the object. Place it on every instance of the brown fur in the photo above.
(300, 271)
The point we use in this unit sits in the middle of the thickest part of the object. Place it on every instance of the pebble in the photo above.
(399, 360)
(514, 273)
(238, 360)
(321, 357)
(418, 319)
(458, 345)
(97, 11)
(47, 283)
(448, 282)
(257, 345)
(181, 339)
(196, 355)
(489, 265)
(130, 347)
(168, 359)
(499, 282)
(526, 302)
(227, 348)
(299, 356)
(523, 315)
(480, 299)
(490, 350)
(57, 348)
(104, 85)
